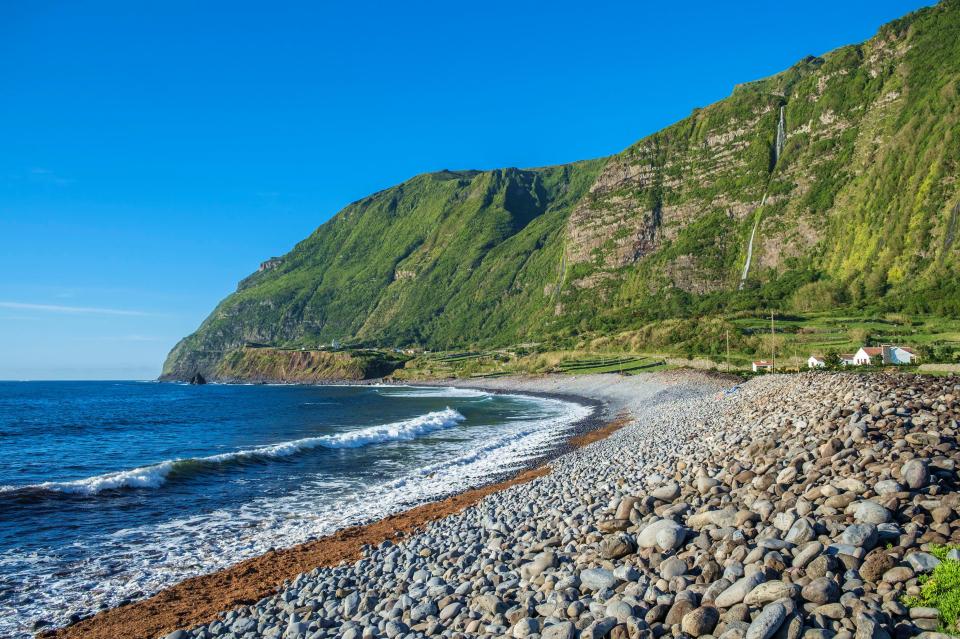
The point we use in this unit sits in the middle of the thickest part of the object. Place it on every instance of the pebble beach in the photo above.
(788, 506)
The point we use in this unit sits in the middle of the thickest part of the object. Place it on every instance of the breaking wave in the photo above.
(429, 391)
(155, 475)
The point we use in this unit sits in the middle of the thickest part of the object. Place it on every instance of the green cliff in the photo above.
(306, 366)
(843, 169)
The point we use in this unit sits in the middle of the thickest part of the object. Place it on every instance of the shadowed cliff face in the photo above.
(264, 364)
(860, 198)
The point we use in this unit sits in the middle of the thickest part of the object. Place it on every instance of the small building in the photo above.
(886, 354)
(816, 361)
(897, 355)
(847, 359)
(762, 365)
(868, 355)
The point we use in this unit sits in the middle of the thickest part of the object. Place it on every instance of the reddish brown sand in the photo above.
(201, 599)
(599, 433)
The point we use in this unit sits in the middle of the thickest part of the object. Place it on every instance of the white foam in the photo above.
(152, 476)
(145, 559)
(398, 431)
(429, 391)
(155, 475)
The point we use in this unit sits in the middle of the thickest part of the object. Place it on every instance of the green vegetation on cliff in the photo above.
(275, 364)
(858, 211)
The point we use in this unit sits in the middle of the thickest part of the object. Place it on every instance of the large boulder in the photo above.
(540, 563)
(767, 621)
(860, 535)
(667, 492)
(597, 578)
(616, 546)
(719, 518)
(625, 507)
(915, 473)
(876, 563)
(821, 590)
(562, 630)
(738, 590)
(868, 512)
(770, 591)
(701, 621)
(664, 534)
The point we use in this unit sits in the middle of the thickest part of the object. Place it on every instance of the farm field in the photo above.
(703, 343)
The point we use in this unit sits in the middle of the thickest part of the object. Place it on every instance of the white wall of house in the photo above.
(889, 355)
(899, 355)
(814, 362)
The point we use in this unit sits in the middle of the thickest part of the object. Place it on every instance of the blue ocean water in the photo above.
(110, 491)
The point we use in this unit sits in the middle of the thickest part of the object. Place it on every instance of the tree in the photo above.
(832, 358)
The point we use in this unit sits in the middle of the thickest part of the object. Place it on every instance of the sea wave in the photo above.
(398, 431)
(429, 391)
(155, 475)
(145, 558)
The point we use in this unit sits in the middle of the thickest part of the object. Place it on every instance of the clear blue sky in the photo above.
(151, 154)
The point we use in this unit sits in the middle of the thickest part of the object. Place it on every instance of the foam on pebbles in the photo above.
(794, 506)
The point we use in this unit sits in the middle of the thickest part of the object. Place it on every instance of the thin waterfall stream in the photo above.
(777, 152)
(746, 266)
(781, 139)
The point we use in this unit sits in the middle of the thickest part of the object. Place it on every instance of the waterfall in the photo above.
(753, 233)
(777, 152)
(781, 139)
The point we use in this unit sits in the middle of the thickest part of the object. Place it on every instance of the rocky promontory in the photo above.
(289, 365)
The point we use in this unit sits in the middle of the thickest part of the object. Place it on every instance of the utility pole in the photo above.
(727, 333)
(773, 346)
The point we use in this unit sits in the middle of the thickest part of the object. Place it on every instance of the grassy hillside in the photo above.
(856, 207)
(702, 342)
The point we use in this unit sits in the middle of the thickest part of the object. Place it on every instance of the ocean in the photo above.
(111, 491)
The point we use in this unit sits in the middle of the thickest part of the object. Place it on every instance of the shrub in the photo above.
(941, 590)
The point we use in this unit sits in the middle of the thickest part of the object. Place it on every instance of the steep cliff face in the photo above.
(435, 259)
(271, 365)
(712, 166)
(846, 165)
(263, 364)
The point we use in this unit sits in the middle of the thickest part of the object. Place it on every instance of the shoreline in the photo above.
(203, 598)
(811, 506)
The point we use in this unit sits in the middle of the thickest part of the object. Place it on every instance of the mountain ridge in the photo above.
(859, 207)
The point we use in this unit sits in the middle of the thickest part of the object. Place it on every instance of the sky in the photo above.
(153, 153)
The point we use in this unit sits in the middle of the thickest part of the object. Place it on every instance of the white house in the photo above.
(846, 359)
(816, 361)
(868, 355)
(762, 365)
(898, 355)
(887, 354)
